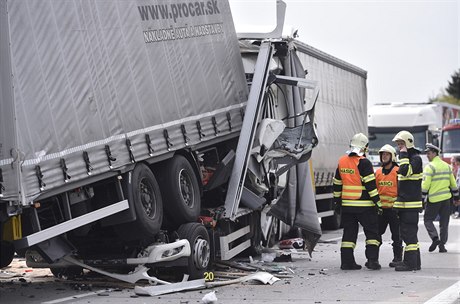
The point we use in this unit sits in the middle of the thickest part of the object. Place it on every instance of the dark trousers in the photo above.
(431, 211)
(350, 221)
(408, 220)
(390, 218)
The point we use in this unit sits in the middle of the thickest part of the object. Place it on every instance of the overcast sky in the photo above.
(410, 49)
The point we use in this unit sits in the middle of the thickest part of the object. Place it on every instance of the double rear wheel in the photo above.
(181, 191)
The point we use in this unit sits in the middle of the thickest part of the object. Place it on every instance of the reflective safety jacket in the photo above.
(438, 181)
(409, 181)
(354, 184)
(387, 185)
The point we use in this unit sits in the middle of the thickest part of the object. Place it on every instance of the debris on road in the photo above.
(295, 243)
(209, 298)
(169, 288)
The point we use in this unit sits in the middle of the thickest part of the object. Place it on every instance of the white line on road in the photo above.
(450, 295)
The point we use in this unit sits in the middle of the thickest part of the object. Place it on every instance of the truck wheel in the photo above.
(198, 237)
(6, 253)
(333, 222)
(144, 194)
(181, 191)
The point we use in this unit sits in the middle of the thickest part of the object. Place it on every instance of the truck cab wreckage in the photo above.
(125, 147)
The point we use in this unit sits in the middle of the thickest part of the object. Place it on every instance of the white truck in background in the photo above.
(424, 120)
(128, 136)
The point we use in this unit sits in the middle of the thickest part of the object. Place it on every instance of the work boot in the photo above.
(373, 265)
(397, 256)
(350, 266)
(434, 244)
(405, 267)
(348, 260)
(442, 248)
(393, 264)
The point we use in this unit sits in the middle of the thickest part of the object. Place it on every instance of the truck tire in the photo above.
(6, 253)
(144, 195)
(198, 237)
(333, 222)
(181, 191)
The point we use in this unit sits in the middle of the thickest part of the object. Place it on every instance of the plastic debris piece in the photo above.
(268, 256)
(209, 298)
(296, 243)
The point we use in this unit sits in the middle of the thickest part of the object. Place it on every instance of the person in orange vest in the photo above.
(386, 178)
(356, 192)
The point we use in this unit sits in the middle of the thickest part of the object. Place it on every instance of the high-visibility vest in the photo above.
(438, 181)
(352, 186)
(387, 186)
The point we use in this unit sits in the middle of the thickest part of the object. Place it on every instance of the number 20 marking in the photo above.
(209, 276)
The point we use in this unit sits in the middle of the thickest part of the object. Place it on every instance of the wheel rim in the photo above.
(201, 253)
(186, 188)
(147, 198)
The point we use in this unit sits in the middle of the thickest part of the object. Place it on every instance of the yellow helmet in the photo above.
(405, 136)
(358, 144)
(389, 149)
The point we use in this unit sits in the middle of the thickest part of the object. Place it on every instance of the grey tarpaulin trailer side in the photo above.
(89, 90)
(89, 78)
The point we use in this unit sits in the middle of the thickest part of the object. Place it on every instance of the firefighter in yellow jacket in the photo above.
(355, 190)
(438, 188)
(386, 178)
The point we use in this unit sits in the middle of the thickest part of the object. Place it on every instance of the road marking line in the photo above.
(448, 295)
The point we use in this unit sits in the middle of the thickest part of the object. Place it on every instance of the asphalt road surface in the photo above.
(306, 280)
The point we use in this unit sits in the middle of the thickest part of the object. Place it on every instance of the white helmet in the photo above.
(405, 136)
(358, 144)
(389, 149)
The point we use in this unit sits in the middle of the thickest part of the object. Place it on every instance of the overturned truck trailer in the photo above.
(120, 128)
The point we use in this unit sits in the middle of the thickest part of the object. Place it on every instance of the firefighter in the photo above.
(356, 192)
(386, 178)
(409, 200)
(438, 188)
